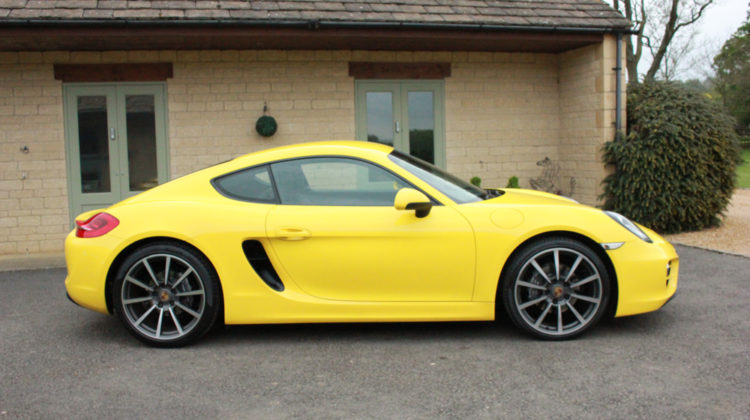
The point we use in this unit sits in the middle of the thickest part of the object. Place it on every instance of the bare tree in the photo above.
(634, 11)
(656, 26)
(677, 53)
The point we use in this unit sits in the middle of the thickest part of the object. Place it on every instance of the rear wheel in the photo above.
(556, 288)
(166, 295)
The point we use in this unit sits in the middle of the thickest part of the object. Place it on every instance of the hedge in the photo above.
(675, 169)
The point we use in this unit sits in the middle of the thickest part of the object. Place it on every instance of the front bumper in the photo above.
(646, 275)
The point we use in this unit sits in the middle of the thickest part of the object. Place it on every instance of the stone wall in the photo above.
(502, 115)
(587, 115)
(504, 112)
(33, 187)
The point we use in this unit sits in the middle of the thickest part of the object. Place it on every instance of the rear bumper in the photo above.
(88, 260)
(646, 275)
(67, 295)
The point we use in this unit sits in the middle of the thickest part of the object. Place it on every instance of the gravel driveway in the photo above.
(691, 359)
(732, 236)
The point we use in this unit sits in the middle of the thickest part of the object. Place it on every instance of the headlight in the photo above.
(627, 224)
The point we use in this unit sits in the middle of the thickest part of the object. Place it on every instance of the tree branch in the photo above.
(694, 16)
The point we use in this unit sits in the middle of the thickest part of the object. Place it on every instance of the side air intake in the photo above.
(258, 259)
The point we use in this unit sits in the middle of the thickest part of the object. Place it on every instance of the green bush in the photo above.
(476, 181)
(675, 169)
(513, 182)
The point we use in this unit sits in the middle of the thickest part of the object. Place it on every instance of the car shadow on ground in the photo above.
(96, 328)
(93, 328)
(502, 329)
(657, 322)
(365, 332)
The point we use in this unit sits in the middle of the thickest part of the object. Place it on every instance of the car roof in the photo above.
(323, 147)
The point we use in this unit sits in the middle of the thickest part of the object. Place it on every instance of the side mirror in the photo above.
(411, 199)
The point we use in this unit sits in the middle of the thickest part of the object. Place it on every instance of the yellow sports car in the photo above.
(357, 232)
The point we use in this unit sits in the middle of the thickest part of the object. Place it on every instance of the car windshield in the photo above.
(452, 186)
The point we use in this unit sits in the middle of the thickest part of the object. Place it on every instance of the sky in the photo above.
(721, 20)
(717, 25)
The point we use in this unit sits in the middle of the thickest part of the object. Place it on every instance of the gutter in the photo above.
(305, 24)
(618, 87)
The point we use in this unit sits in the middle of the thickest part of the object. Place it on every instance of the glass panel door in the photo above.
(92, 162)
(421, 117)
(141, 137)
(142, 147)
(115, 142)
(380, 119)
(407, 115)
(93, 144)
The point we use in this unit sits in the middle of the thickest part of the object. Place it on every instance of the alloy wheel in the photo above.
(163, 297)
(558, 291)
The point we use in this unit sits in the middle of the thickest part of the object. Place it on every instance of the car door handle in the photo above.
(292, 234)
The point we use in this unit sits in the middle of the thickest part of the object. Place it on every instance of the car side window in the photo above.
(252, 184)
(333, 181)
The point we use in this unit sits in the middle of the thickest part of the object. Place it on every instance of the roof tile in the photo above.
(384, 7)
(327, 5)
(13, 4)
(171, 13)
(207, 4)
(548, 13)
(39, 4)
(98, 13)
(235, 5)
(289, 5)
(438, 9)
(136, 13)
(249, 14)
(75, 4)
(115, 4)
(170, 4)
(206, 13)
(265, 5)
(142, 4)
(357, 7)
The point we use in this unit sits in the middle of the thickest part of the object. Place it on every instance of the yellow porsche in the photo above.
(357, 232)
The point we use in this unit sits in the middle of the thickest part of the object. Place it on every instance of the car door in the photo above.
(338, 236)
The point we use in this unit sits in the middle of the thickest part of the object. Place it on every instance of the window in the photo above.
(334, 181)
(455, 188)
(252, 184)
(405, 114)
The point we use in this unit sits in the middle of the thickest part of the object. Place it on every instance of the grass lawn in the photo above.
(743, 171)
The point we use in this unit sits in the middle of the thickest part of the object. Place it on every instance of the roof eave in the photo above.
(43, 35)
(309, 24)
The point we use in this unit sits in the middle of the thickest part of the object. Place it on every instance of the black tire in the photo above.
(170, 310)
(558, 304)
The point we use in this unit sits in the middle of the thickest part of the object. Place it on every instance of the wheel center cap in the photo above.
(164, 296)
(557, 292)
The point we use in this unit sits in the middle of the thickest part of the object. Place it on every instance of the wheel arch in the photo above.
(147, 241)
(593, 245)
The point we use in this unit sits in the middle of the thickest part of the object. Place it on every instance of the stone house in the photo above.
(101, 99)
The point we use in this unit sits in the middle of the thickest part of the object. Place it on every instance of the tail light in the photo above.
(98, 225)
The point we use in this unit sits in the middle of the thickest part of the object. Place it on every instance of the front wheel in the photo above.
(166, 295)
(556, 288)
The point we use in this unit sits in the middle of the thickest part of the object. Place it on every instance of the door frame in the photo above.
(400, 89)
(117, 92)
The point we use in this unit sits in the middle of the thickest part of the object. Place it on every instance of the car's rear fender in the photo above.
(132, 247)
(214, 228)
